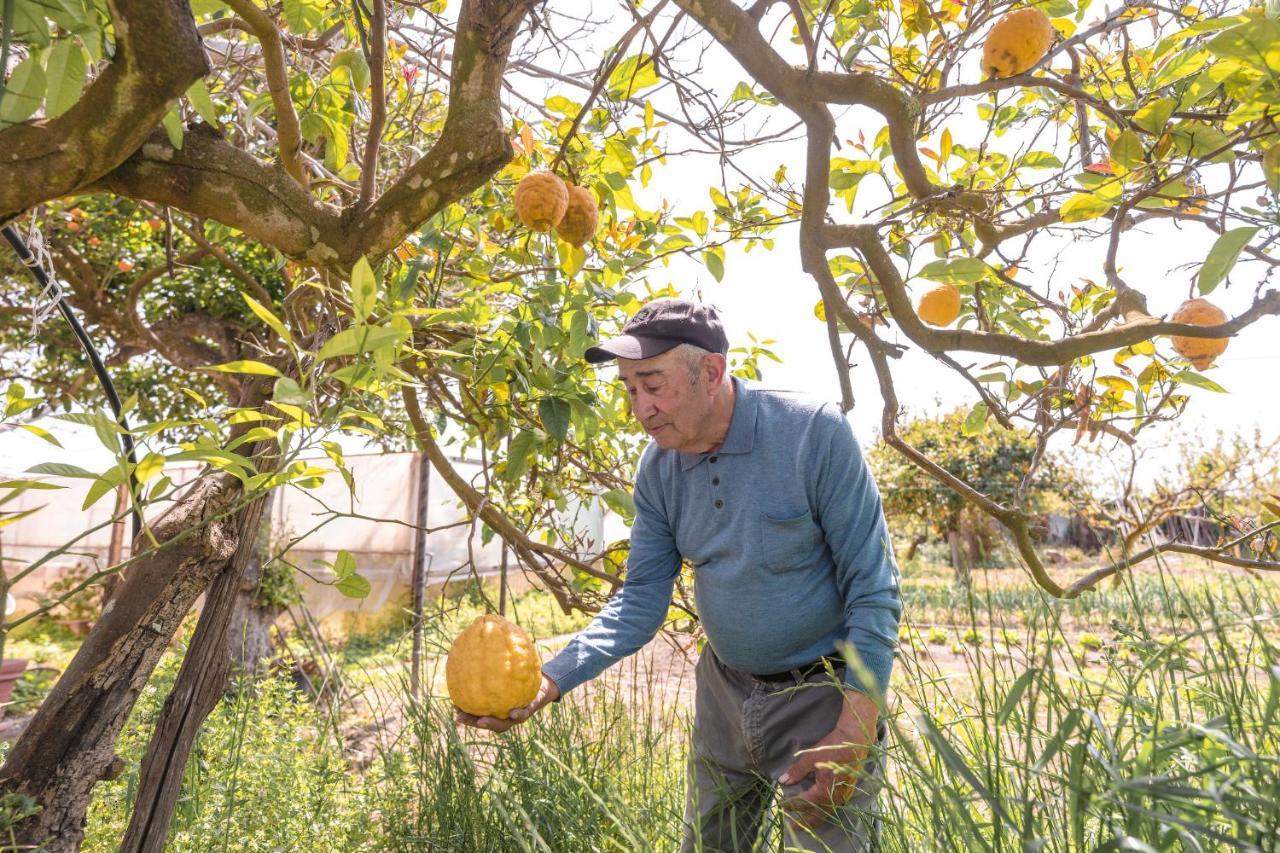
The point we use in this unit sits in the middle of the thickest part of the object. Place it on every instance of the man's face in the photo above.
(672, 405)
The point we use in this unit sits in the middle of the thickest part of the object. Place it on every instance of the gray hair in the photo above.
(692, 356)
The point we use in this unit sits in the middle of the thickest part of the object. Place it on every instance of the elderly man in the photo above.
(765, 493)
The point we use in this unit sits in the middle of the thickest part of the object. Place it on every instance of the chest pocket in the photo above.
(788, 543)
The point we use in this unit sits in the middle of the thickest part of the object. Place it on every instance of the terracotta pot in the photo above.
(10, 671)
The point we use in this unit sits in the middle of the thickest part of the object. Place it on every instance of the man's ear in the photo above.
(714, 367)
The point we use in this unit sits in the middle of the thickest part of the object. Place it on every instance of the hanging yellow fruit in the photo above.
(541, 199)
(493, 668)
(1017, 42)
(940, 305)
(1201, 352)
(581, 217)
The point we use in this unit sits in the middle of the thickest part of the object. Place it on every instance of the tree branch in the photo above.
(158, 56)
(288, 131)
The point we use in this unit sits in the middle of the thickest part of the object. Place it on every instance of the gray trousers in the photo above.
(745, 735)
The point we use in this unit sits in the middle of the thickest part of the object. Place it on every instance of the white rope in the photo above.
(47, 302)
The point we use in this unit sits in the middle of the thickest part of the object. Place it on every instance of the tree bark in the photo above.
(960, 559)
(249, 631)
(915, 546)
(158, 55)
(201, 682)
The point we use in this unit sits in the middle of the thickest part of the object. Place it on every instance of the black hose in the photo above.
(126, 438)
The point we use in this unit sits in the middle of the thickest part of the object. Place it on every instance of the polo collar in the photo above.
(742, 427)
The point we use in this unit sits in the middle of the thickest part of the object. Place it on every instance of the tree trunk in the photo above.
(201, 683)
(70, 744)
(249, 631)
(915, 546)
(959, 559)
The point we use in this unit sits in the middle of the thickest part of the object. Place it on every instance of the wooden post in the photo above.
(115, 551)
(419, 575)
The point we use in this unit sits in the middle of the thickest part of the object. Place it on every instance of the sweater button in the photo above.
(712, 459)
(719, 504)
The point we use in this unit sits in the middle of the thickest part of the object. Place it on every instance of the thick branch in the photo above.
(535, 554)
(288, 131)
(158, 55)
(1041, 353)
(211, 178)
(378, 102)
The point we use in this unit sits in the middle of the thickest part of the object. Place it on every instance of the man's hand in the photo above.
(548, 692)
(835, 760)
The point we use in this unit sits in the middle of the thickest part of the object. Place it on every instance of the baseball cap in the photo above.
(663, 324)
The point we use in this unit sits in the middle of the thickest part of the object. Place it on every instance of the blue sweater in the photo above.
(784, 529)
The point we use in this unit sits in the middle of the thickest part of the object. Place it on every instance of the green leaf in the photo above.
(1255, 43)
(354, 586)
(1015, 693)
(304, 16)
(256, 368)
(1199, 380)
(150, 465)
(198, 95)
(264, 314)
(955, 270)
(361, 339)
(23, 92)
(1222, 257)
(65, 72)
(1271, 168)
(12, 518)
(632, 76)
(1082, 207)
(41, 432)
(1065, 730)
(953, 760)
(1154, 116)
(714, 259)
(1127, 150)
(976, 422)
(173, 128)
(1197, 139)
(108, 482)
(554, 413)
(364, 289)
(349, 582)
(745, 92)
(1041, 160)
(523, 447)
(621, 502)
(289, 391)
(356, 66)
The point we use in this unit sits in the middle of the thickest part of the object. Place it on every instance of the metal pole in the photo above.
(421, 506)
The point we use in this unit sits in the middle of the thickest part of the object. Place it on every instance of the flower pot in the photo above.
(10, 671)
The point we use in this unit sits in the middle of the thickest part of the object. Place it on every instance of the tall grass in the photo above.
(601, 770)
(1166, 736)
(1167, 740)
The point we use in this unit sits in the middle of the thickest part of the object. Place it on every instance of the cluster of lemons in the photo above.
(544, 201)
(1016, 43)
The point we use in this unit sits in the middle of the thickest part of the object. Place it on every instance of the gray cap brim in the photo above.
(634, 347)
